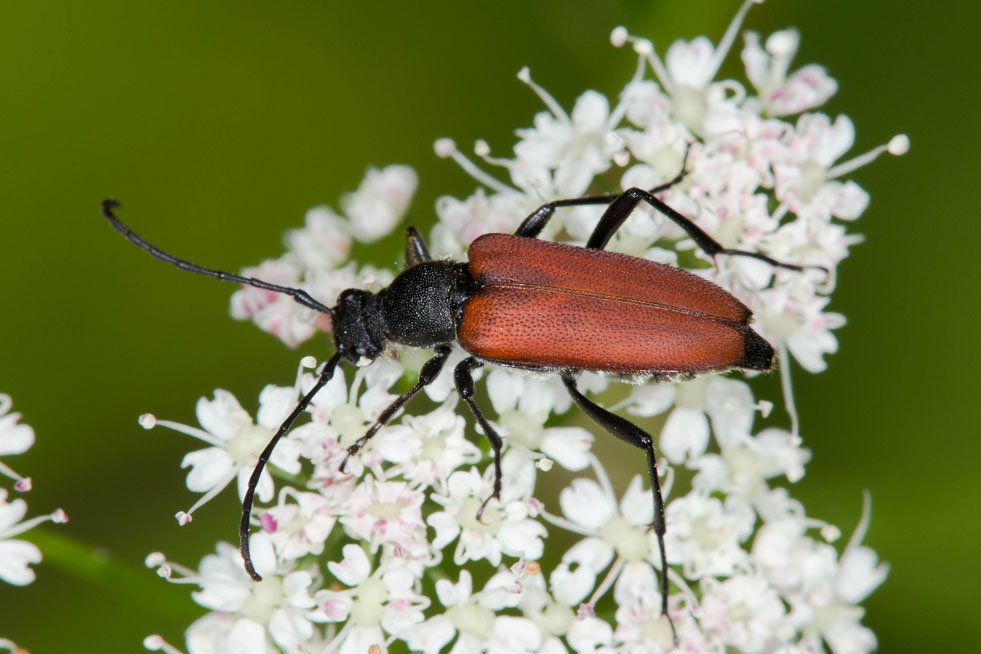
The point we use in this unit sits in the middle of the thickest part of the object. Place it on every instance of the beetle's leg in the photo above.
(621, 208)
(464, 386)
(631, 433)
(430, 371)
(243, 530)
(416, 250)
(531, 226)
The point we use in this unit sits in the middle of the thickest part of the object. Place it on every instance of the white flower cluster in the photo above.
(391, 550)
(16, 556)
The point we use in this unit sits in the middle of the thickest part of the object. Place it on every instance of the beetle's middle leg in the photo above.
(631, 433)
(464, 386)
(430, 371)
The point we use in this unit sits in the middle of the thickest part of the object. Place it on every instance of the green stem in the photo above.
(95, 565)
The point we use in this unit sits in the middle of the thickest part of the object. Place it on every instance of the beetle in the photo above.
(536, 305)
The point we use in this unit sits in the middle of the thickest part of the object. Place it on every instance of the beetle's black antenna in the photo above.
(243, 530)
(297, 294)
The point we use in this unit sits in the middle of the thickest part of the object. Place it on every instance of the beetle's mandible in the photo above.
(536, 305)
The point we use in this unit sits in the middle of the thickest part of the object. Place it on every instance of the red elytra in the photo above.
(545, 305)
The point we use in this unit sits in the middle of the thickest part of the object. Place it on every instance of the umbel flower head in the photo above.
(391, 550)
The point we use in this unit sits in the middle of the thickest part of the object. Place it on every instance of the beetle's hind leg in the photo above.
(532, 226)
(623, 205)
(464, 386)
(631, 433)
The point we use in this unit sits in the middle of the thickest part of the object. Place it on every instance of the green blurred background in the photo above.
(218, 124)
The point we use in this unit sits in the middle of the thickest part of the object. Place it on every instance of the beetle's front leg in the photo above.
(427, 375)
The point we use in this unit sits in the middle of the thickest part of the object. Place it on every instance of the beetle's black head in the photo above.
(356, 331)
(419, 308)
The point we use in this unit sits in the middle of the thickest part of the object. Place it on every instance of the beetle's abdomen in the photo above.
(548, 305)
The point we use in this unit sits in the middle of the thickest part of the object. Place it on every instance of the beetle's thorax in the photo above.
(420, 308)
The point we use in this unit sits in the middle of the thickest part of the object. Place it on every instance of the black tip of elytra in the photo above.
(758, 354)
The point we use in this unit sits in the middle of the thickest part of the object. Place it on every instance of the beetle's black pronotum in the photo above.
(535, 305)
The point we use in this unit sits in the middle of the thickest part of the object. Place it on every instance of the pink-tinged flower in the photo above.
(803, 183)
(272, 312)
(461, 221)
(376, 602)
(381, 512)
(641, 629)
(504, 528)
(299, 524)
(781, 94)
(743, 612)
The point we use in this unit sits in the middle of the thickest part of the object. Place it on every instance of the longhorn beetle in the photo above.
(535, 305)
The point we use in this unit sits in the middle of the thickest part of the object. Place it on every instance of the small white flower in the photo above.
(610, 531)
(742, 612)
(298, 527)
(380, 202)
(471, 617)
(376, 602)
(781, 95)
(380, 512)
(248, 615)
(804, 183)
(461, 221)
(14, 439)
(275, 313)
(577, 146)
(641, 629)
(17, 555)
(323, 242)
(524, 403)
(705, 535)
(504, 528)
(428, 448)
(236, 442)
(793, 315)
